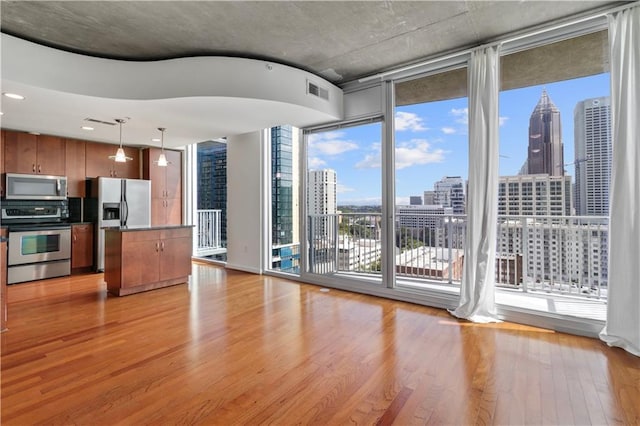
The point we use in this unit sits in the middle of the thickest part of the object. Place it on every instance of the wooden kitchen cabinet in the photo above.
(34, 154)
(176, 246)
(166, 186)
(75, 168)
(145, 259)
(81, 246)
(99, 164)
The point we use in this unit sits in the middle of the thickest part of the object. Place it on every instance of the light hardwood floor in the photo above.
(236, 348)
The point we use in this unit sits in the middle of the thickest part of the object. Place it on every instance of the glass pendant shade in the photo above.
(120, 156)
(162, 159)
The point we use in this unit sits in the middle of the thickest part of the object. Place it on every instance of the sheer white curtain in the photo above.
(477, 300)
(623, 312)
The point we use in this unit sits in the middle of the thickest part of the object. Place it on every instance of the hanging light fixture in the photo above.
(120, 156)
(162, 159)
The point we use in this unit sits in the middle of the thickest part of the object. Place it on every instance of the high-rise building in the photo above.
(415, 200)
(592, 139)
(212, 180)
(450, 192)
(284, 199)
(429, 198)
(321, 190)
(534, 195)
(546, 151)
(323, 223)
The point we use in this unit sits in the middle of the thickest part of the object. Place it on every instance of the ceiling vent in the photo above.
(315, 90)
(95, 120)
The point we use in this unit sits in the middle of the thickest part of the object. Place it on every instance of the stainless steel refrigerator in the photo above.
(118, 202)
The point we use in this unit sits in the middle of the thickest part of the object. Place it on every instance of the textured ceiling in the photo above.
(340, 41)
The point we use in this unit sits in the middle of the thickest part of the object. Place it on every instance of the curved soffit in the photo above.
(194, 98)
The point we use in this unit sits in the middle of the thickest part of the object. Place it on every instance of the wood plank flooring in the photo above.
(235, 348)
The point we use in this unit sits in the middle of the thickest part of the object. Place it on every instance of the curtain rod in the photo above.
(587, 18)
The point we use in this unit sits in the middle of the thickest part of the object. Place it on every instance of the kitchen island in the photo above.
(145, 258)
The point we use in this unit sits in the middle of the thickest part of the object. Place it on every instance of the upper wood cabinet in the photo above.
(98, 162)
(75, 167)
(31, 154)
(166, 186)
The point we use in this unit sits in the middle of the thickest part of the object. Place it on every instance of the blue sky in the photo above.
(432, 141)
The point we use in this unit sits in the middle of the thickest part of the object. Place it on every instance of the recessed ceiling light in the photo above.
(87, 128)
(13, 96)
(155, 140)
(35, 133)
(1, 113)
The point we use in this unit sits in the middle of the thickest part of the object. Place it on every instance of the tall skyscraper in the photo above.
(212, 180)
(282, 194)
(592, 139)
(284, 199)
(546, 152)
(450, 192)
(321, 190)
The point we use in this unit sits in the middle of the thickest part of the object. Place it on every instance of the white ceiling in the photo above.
(340, 41)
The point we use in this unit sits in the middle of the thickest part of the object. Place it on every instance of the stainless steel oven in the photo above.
(37, 252)
(39, 243)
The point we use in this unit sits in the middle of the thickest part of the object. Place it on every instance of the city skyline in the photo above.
(432, 141)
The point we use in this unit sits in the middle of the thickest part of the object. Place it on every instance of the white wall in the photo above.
(245, 201)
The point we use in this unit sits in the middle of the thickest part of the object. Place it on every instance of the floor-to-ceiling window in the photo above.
(284, 191)
(431, 162)
(344, 201)
(555, 168)
(211, 203)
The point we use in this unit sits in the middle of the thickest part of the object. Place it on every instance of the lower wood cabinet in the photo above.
(81, 246)
(141, 260)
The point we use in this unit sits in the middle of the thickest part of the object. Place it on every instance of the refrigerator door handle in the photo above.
(124, 201)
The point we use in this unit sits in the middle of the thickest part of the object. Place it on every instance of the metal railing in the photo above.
(209, 232)
(553, 254)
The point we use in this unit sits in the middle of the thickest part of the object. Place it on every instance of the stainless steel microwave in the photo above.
(35, 187)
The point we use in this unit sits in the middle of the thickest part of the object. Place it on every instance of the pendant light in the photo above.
(120, 156)
(162, 159)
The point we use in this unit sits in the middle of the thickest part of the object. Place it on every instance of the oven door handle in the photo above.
(38, 228)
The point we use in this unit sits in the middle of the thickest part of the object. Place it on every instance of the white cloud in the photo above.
(341, 189)
(412, 153)
(316, 163)
(409, 121)
(417, 152)
(330, 144)
(503, 120)
(461, 114)
(370, 161)
(448, 130)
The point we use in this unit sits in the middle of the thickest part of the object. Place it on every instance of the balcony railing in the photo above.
(553, 254)
(209, 232)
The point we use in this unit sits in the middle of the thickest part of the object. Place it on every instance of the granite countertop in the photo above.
(144, 228)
